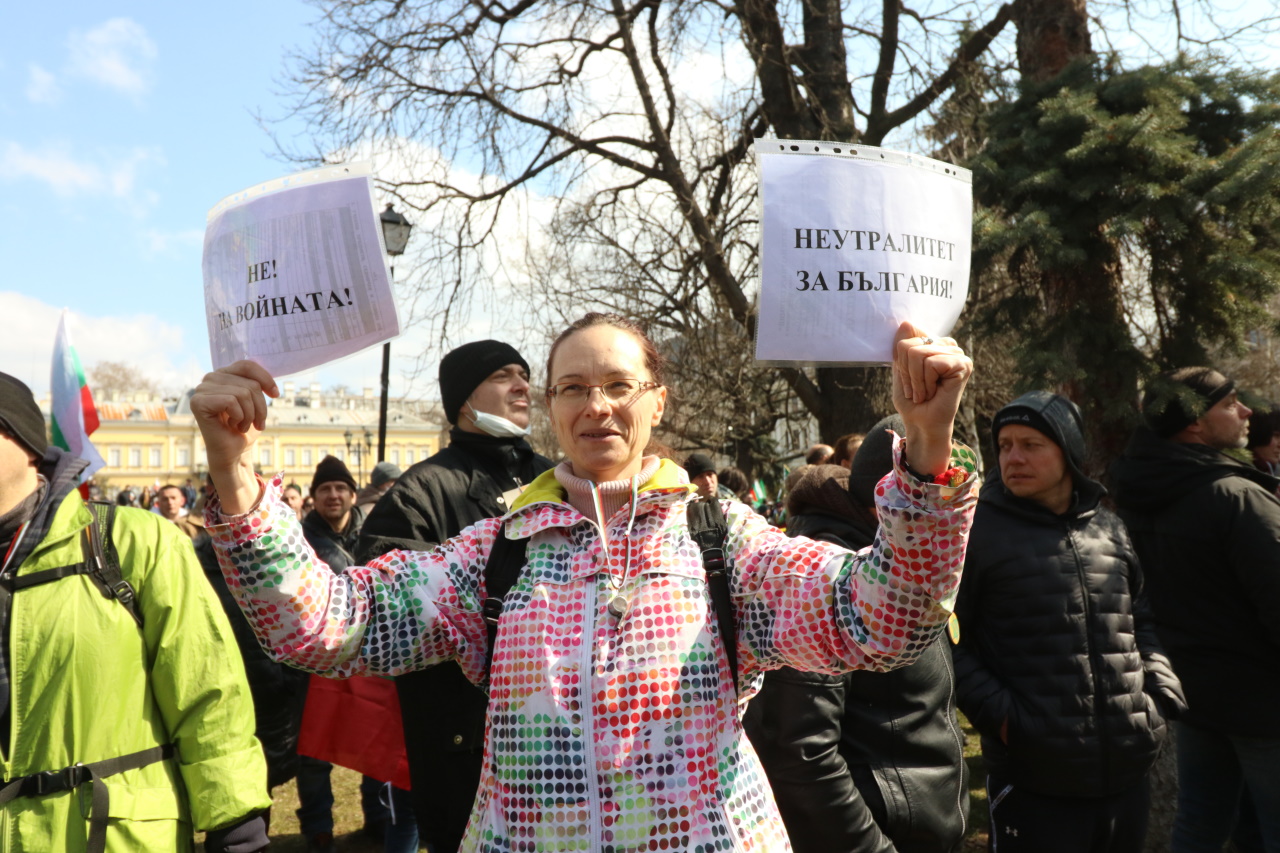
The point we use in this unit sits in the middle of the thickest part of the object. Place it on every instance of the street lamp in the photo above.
(395, 234)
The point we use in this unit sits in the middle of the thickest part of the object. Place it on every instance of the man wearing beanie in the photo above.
(1207, 528)
(1057, 664)
(384, 476)
(128, 703)
(484, 387)
(333, 529)
(702, 473)
(865, 761)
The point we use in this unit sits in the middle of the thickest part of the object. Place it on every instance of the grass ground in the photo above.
(347, 819)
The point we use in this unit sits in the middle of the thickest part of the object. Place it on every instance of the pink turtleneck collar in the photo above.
(614, 494)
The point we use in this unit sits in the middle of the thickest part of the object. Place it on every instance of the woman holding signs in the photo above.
(613, 715)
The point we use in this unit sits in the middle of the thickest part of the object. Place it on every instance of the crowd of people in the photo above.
(616, 651)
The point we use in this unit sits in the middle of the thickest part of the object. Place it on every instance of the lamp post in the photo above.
(395, 234)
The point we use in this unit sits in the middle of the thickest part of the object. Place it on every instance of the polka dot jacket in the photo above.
(613, 729)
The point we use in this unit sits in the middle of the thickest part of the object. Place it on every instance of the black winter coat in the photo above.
(1208, 530)
(1056, 640)
(444, 713)
(865, 762)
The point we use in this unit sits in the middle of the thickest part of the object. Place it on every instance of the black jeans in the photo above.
(1023, 821)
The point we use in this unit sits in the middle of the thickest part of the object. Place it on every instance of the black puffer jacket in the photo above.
(444, 713)
(1208, 530)
(1056, 641)
(865, 762)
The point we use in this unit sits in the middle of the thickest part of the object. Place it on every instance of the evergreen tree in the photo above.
(1135, 216)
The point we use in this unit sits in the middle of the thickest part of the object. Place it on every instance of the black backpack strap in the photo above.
(93, 774)
(506, 560)
(13, 583)
(708, 529)
(104, 560)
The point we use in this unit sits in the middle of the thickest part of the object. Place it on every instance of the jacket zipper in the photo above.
(589, 702)
(1091, 654)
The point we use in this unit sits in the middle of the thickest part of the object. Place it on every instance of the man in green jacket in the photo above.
(125, 719)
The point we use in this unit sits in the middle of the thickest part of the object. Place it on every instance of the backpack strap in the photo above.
(506, 560)
(708, 529)
(101, 563)
(104, 560)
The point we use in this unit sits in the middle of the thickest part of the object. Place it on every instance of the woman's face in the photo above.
(604, 439)
(1269, 452)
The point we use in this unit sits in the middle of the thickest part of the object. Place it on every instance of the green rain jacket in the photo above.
(88, 684)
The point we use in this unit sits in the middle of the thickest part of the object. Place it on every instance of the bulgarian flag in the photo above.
(74, 415)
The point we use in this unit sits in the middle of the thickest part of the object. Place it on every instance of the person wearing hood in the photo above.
(1207, 527)
(1057, 662)
(863, 762)
(125, 718)
(484, 386)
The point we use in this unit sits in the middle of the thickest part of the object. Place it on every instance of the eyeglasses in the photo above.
(615, 390)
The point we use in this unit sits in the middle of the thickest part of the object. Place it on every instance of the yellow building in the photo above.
(148, 442)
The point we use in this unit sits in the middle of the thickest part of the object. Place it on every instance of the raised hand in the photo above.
(929, 376)
(231, 411)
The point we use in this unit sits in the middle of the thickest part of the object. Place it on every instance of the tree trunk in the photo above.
(853, 399)
(1051, 34)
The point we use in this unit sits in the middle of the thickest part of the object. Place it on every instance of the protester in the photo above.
(1057, 664)
(864, 762)
(125, 718)
(487, 464)
(384, 476)
(702, 474)
(1264, 439)
(293, 497)
(1207, 528)
(171, 503)
(819, 454)
(735, 482)
(846, 448)
(613, 709)
(332, 530)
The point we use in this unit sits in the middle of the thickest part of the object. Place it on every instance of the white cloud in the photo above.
(142, 341)
(68, 175)
(117, 54)
(42, 86)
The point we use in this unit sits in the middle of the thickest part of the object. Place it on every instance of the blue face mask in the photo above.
(496, 426)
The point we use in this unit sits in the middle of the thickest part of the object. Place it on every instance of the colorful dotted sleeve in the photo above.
(402, 612)
(816, 607)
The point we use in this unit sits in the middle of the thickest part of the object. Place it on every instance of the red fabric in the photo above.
(355, 723)
(89, 410)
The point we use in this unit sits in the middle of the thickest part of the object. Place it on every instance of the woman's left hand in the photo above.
(929, 376)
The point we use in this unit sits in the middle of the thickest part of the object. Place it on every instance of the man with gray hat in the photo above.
(1207, 527)
(125, 718)
(484, 386)
(384, 476)
(1057, 663)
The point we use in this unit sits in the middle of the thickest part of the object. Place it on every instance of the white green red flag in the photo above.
(74, 416)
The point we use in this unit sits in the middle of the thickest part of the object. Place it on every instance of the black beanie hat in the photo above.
(463, 369)
(698, 463)
(331, 469)
(1176, 399)
(20, 416)
(873, 460)
(1059, 419)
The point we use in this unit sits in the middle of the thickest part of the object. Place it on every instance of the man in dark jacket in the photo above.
(1057, 665)
(333, 529)
(484, 386)
(1208, 530)
(865, 762)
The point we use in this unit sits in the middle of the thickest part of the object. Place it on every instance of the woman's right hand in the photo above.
(231, 411)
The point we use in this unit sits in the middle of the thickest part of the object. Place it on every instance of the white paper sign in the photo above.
(855, 240)
(295, 274)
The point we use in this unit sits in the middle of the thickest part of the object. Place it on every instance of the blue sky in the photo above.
(121, 124)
